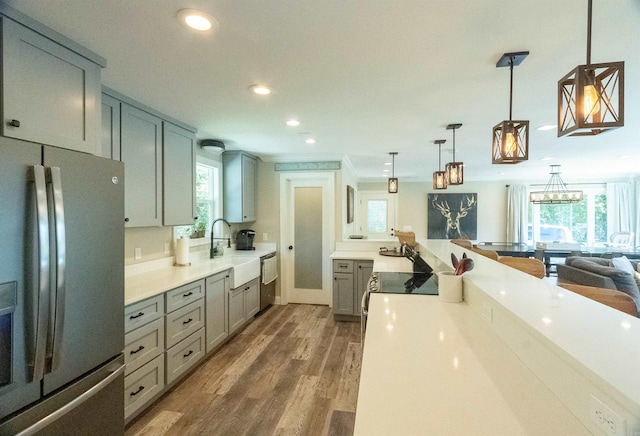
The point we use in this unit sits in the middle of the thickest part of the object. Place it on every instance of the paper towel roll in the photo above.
(182, 252)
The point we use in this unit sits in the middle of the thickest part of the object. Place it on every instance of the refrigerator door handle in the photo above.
(82, 398)
(43, 284)
(58, 224)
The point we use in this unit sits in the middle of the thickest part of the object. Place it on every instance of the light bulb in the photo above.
(509, 144)
(453, 175)
(591, 101)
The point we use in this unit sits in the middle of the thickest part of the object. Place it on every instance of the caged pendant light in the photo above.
(510, 138)
(454, 170)
(591, 96)
(393, 181)
(556, 191)
(439, 177)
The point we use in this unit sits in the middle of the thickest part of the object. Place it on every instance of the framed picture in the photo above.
(452, 216)
(350, 200)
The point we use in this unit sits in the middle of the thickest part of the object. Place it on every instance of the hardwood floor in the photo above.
(292, 371)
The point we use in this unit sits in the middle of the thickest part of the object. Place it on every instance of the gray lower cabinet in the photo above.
(244, 303)
(350, 279)
(50, 93)
(143, 353)
(217, 323)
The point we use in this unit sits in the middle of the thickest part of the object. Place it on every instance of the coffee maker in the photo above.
(244, 239)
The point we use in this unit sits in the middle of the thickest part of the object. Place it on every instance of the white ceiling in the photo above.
(366, 77)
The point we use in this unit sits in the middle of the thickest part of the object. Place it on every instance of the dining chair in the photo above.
(463, 243)
(534, 267)
(486, 253)
(610, 297)
(621, 239)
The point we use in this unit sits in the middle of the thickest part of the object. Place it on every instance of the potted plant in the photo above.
(198, 230)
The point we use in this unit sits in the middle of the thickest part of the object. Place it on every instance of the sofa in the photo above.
(617, 273)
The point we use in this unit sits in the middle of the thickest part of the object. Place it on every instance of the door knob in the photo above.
(290, 247)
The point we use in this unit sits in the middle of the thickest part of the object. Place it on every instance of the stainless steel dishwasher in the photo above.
(268, 276)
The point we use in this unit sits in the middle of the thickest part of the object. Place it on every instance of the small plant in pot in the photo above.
(198, 230)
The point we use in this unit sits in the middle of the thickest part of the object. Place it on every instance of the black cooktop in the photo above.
(407, 283)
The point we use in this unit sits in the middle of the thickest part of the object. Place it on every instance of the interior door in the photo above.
(377, 215)
(307, 238)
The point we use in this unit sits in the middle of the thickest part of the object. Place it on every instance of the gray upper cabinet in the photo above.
(239, 186)
(110, 127)
(141, 151)
(179, 161)
(50, 94)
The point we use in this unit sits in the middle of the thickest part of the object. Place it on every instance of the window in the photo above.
(584, 222)
(208, 199)
(376, 219)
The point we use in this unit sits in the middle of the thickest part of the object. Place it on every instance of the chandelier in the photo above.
(556, 191)
(439, 177)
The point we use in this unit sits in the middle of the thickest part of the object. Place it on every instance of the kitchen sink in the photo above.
(245, 269)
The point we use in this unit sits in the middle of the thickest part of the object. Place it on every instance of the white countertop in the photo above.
(380, 263)
(433, 368)
(148, 279)
(529, 367)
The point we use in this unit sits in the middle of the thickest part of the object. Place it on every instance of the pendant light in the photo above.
(393, 181)
(439, 177)
(454, 170)
(556, 191)
(591, 96)
(510, 138)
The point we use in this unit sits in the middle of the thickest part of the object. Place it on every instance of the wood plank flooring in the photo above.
(292, 371)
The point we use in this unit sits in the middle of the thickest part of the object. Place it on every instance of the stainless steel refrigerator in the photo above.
(61, 291)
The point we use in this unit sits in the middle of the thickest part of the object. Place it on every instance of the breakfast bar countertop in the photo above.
(455, 376)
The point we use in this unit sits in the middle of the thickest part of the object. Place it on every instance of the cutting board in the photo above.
(406, 237)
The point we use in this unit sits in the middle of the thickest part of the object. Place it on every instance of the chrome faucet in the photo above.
(211, 250)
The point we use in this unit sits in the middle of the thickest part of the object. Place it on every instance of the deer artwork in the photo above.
(452, 230)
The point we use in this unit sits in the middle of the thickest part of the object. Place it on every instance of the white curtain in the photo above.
(636, 229)
(619, 208)
(517, 207)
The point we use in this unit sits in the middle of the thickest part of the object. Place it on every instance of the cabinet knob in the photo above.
(14, 123)
(126, 220)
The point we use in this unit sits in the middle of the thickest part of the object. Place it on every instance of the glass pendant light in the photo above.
(439, 177)
(510, 138)
(393, 181)
(591, 96)
(454, 170)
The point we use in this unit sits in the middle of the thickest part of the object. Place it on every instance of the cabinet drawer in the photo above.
(183, 322)
(342, 266)
(143, 384)
(143, 312)
(180, 297)
(143, 344)
(184, 355)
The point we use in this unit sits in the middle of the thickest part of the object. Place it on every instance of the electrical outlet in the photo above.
(265, 237)
(167, 249)
(605, 417)
(137, 253)
(487, 313)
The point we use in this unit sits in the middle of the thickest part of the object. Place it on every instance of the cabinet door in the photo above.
(363, 273)
(249, 168)
(343, 294)
(178, 171)
(252, 299)
(216, 309)
(140, 141)
(110, 127)
(51, 91)
(236, 309)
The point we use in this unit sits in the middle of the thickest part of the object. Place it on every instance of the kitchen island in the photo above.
(518, 356)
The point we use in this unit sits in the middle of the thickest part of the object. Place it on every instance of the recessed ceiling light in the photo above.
(310, 141)
(260, 89)
(197, 20)
(293, 123)
(388, 163)
(546, 127)
(546, 158)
